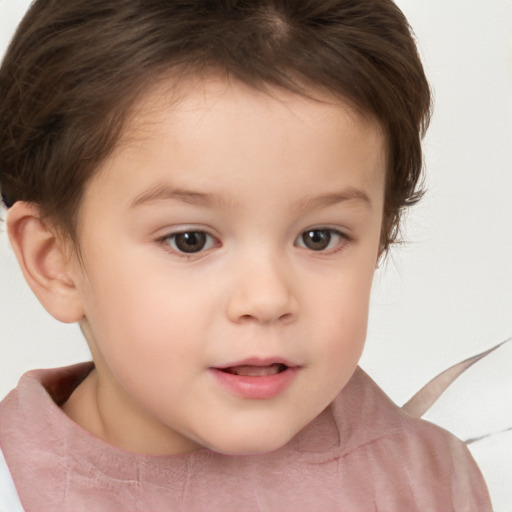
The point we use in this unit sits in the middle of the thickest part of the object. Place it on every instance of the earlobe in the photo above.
(44, 263)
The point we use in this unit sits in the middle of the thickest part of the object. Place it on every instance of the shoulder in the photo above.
(389, 446)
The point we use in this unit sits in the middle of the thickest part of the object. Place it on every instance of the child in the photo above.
(207, 187)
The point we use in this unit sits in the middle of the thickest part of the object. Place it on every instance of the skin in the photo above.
(253, 171)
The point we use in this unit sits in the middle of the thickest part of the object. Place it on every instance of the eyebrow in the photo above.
(332, 198)
(163, 192)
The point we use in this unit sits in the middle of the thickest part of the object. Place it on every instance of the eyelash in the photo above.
(341, 240)
(169, 240)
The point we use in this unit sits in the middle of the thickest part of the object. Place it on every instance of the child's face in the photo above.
(232, 232)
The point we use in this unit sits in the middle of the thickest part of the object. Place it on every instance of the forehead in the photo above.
(232, 98)
(200, 130)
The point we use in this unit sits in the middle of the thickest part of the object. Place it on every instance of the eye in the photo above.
(190, 241)
(320, 239)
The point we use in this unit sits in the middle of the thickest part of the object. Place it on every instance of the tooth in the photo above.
(256, 371)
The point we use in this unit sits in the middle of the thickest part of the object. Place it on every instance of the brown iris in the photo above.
(190, 241)
(316, 239)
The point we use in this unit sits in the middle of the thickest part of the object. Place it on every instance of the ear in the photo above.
(44, 262)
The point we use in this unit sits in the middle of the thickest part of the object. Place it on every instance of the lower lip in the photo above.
(257, 388)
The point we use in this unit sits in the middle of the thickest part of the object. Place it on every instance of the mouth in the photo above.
(255, 371)
(256, 378)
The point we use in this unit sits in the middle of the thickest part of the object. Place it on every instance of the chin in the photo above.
(245, 444)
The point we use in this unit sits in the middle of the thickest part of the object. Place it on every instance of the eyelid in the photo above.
(172, 233)
(342, 239)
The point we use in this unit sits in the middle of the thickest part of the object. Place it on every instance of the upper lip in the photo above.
(258, 361)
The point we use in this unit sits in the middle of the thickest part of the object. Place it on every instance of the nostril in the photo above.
(251, 318)
(247, 318)
(261, 304)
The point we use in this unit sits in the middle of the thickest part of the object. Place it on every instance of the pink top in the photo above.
(361, 454)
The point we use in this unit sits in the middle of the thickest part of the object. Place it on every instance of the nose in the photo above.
(262, 292)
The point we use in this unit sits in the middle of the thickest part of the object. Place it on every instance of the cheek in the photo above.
(342, 319)
(141, 312)
(337, 336)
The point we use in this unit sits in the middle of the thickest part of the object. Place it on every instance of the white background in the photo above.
(445, 294)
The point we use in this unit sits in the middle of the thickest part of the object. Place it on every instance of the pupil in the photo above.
(317, 239)
(191, 241)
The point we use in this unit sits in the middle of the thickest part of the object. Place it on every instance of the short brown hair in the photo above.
(75, 68)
